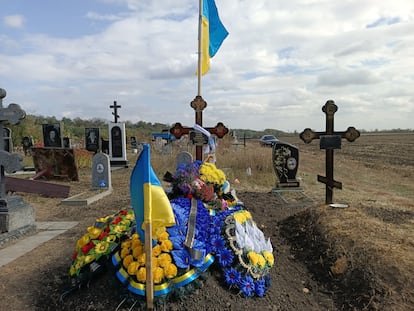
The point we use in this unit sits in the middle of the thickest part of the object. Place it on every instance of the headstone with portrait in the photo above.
(285, 163)
(92, 139)
(52, 135)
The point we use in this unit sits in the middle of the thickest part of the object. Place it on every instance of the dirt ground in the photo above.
(300, 277)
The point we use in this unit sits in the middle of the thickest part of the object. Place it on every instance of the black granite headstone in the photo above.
(285, 163)
(116, 140)
(92, 139)
(52, 136)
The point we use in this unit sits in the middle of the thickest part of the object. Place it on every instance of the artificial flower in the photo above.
(132, 267)
(127, 260)
(157, 274)
(101, 247)
(166, 246)
(141, 274)
(170, 271)
(164, 260)
(269, 257)
(94, 232)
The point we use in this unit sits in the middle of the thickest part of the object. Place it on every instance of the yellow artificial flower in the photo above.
(94, 232)
(110, 238)
(124, 252)
(261, 261)
(141, 275)
(101, 247)
(166, 246)
(164, 260)
(170, 271)
(127, 260)
(157, 274)
(126, 244)
(135, 236)
(133, 267)
(141, 259)
(79, 262)
(211, 174)
(253, 258)
(157, 231)
(155, 262)
(130, 216)
(102, 219)
(85, 239)
(135, 243)
(138, 250)
(156, 250)
(89, 258)
(269, 258)
(120, 229)
(72, 270)
(163, 236)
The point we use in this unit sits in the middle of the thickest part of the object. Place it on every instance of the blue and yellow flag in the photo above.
(212, 34)
(148, 198)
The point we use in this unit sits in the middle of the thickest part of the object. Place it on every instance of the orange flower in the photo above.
(166, 246)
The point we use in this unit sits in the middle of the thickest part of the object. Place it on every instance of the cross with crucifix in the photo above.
(329, 140)
(115, 112)
(198, 104)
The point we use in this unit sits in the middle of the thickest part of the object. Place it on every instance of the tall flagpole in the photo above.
(200, 20)
(149, 284)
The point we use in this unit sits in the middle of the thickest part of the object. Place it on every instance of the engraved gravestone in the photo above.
(184, 157)
(101, 172)
(285, 163)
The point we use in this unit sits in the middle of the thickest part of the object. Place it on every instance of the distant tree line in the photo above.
(75, 129)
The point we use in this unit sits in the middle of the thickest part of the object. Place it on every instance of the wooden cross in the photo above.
(115, 112)
(329, 140)
(198, 104)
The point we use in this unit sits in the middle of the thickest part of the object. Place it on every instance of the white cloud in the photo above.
(280, 63)
(14, 21)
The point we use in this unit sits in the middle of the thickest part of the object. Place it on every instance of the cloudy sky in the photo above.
(279, 65)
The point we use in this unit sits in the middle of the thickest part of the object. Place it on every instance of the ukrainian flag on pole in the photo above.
(149, 200)
(213, 33)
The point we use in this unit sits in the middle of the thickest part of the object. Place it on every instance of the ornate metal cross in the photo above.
(115, 112)
(198, 104)
(8, 162)
(329, 140)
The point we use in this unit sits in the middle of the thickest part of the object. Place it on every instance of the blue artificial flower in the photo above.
(232, 277)
(217, 243)
(247, 286)
(177, 241)
(225, 257)
(260, 287)
(182, 258)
